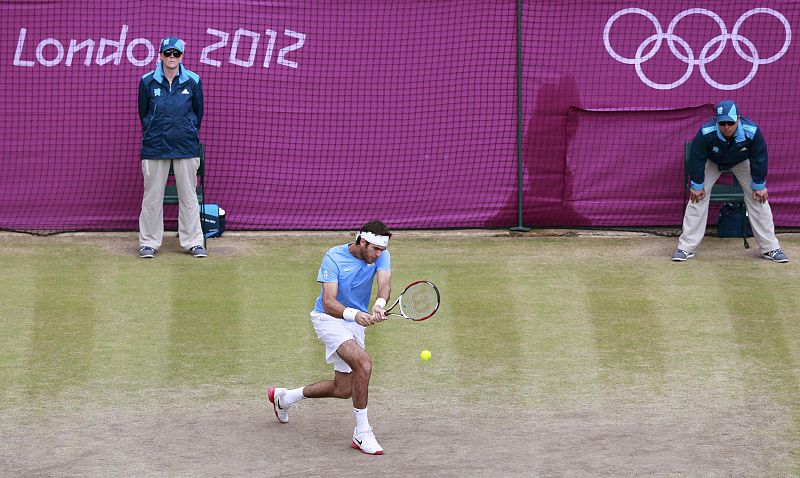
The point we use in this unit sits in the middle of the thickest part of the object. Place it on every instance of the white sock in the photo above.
(362, 423)
(291, 397)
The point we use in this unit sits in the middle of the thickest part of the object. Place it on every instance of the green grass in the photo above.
(550, 325)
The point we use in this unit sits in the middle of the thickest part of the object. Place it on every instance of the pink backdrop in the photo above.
(322, 114)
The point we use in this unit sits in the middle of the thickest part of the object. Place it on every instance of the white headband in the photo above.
(372, 238)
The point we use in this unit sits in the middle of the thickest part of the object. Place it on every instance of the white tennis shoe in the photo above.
(366, 442)
(275, 395)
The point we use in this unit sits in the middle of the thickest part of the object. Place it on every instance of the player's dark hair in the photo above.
(376, 227)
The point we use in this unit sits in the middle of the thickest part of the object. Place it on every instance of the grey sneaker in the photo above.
(777, 255)
(680, 255)
(198, 251)
(275, 395)
(146, 252)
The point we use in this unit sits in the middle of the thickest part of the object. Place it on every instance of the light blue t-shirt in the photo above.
(354, 276)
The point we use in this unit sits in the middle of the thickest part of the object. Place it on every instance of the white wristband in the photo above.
(350, 314)
(380, 302)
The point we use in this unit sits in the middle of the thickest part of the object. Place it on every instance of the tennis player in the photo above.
(340, 318)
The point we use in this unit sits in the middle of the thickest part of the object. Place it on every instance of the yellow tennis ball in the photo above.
(425, 355)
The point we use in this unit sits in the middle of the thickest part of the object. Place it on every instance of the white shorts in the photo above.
(333, 333)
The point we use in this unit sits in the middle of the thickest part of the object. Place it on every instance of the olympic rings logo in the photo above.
(689, 57)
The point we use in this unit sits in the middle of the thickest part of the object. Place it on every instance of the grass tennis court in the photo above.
(552, 356)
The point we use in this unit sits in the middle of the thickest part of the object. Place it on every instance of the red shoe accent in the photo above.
(355, 445)
(271, 396)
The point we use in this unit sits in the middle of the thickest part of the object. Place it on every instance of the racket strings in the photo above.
(419, 301)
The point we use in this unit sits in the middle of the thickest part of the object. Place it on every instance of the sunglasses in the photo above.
(727, 123)
(170, 53)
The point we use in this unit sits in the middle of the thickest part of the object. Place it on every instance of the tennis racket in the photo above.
(418, 301)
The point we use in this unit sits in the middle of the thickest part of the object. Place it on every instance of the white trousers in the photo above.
(151, 219)
(696, 215)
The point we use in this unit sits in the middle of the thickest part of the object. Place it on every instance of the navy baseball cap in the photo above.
(171, 43)
(727, 111)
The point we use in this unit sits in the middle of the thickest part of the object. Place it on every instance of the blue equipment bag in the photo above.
(729, 222)
(212, 220)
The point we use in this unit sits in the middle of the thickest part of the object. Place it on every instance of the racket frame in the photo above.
(399, 301)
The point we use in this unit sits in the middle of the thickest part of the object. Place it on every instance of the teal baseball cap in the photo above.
(171, 43)
(727, 111)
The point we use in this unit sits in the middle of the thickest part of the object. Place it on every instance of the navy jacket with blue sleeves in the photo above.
(746, 143)
(170, 114)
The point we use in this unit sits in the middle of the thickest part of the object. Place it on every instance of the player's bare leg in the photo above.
(281, 398)
(340, 387)
(361, 363)
(359, 360)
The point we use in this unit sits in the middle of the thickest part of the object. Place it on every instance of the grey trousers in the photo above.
(151, 219)
(696, 215)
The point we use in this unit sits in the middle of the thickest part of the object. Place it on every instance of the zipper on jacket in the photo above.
(152, 118)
